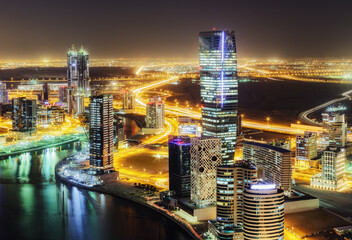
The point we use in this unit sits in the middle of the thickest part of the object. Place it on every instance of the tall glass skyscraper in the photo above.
(78, 79)
(219, 89)
(101, 134)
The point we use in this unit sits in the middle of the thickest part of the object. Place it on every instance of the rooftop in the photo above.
(262, 145)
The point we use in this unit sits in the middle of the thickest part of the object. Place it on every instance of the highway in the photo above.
(304, 115)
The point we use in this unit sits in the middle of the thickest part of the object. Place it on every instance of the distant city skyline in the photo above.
(45, 29)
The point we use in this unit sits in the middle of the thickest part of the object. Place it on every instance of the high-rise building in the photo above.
(219, 89)
(78, 69)
(101, 133)
(231, 180)
(273, 163)
(180, 166)
(4, 95)
(128, 100)
(263, 216)
(24, 114)
(155, 116)
(46, 92)
(78, 79)
(332, 176)
(205, 157)
(63, 94)
(306, 148)
(338, 131)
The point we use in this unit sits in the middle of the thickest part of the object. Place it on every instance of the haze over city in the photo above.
(163, 29)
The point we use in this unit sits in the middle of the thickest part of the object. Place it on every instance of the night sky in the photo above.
(37, 29)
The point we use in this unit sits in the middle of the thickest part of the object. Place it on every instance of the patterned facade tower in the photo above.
(205, 157)
(101, 134)
(219, 89)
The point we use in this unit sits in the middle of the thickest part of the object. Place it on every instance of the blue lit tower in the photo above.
(219, 89)
(180, 166)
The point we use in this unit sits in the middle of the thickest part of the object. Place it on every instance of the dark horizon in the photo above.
(158, 29)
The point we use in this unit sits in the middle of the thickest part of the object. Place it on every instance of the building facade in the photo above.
(155, 116)
(306, 148)
(180, 166)
(101, 134)
(24, 114)
(332, 176)
(219, 89)
(205, 157)
(128, 100)
(78, 80)
(231, 180)
(4, 95)
(338, 131)
(54, 115)
(273, 163)
(263, 216)
(46, 92)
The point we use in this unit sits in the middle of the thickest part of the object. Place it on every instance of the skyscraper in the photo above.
(45, 92)
(219, 89)
(338, 131)
(273, 163)
(4, 95)
(332, 176)
(231, 182)
(205, 157)
(306, 148)
(180, 166)
(263, 216)
(24, 114)
(155, 116)
(78, 79)
(78, 69)
(101, 134)
(128, 100)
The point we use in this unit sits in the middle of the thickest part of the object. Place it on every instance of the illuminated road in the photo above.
(304, 116)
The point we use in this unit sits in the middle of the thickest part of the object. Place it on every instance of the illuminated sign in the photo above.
(263, 186)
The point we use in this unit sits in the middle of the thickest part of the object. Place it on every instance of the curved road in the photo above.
(304, 115)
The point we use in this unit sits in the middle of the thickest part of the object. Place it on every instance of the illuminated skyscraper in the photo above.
(273, 163)
(263, 216)
(78, 69)
(24, 114)
(338, 131)
(101, 134)
(155, 116)
(306, 148)
(231, 181)
(180, 166)
(128, 100)
(219, 89)
(205, 157)
(78, 79)
(45, 92)
(4, 95)
(332, 176)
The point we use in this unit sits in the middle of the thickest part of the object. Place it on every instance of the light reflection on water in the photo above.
(34, 206)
